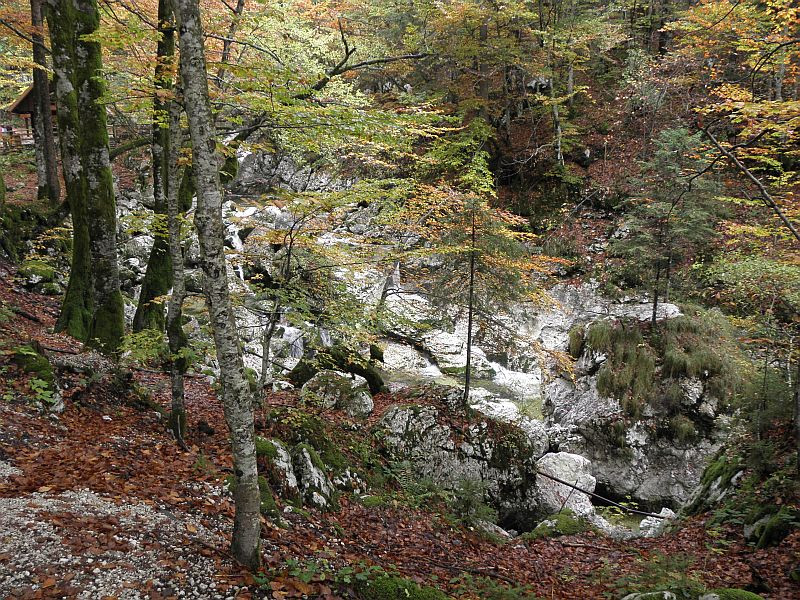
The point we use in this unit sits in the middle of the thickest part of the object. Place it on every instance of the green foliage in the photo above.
(389, 587)
(672, 221)
(463, 155)
(468, 503)
(682, 428)
(486, 588)
(752, 285)
(146, 346)
(561, 523)
(659, 573)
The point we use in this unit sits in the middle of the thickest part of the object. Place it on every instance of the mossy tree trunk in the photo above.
(236, 397)
(176, 207)
(107, 325)
(48, 185)
(158, 278)
(77, 307)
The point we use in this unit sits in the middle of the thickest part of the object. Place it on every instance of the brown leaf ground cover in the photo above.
(108, 493)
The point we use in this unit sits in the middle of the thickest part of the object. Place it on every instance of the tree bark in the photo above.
(175, 333)
(468, 371)
(46, 166)
(236, 398)
(76, 310)
(108, 323)
(158, 278)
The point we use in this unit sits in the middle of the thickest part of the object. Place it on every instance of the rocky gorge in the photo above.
(530, 377)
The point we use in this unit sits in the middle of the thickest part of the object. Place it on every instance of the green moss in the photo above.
(31, 361)
(561, 523)
(267, 503)
(373, 501)
(296, 426)
(576, 341)
(397, 588)
(37, 268)
(267, 500)
(157, 283)
(266, 448)
(778, 527)
(721, 468)
(313, 455)
(734, 594)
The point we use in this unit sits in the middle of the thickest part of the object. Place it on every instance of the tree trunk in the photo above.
(76, 310)
(236, 397)
(175, 333)
(797, 415)
(46, 165)
(468, 371)
(228, 43)
(656, 283)
(158, 278)
(108, 323)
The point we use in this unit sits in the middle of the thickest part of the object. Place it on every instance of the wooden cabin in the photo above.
(19, 131)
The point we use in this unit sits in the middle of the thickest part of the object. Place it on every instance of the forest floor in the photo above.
(99, 502)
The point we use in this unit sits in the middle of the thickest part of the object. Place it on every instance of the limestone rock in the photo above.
(334, 389)
(313, 482)
(652, 526)
(553, 496)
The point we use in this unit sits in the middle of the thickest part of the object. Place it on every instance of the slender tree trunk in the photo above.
(46, 165)
(108, 323)
(227, 44)
(266, 339)
(797, 414)
(78, 304)
(236, 397)
(175, 333)
(158, 278)
(468, 371)
(656, 285)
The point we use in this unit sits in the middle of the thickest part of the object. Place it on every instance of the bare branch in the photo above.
(765, 195)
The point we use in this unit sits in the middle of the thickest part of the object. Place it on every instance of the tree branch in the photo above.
(765, 195)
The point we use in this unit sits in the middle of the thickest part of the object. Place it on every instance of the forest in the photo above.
(400, 299)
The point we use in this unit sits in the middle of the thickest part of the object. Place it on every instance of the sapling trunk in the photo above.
(236, 397)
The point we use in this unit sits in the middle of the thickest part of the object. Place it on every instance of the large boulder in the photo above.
(343, 391)
(497, 454)
(553, 496)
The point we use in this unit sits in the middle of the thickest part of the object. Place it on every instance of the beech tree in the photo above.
(45, 147)
(92, 310)
(236, 397)
(158, 277)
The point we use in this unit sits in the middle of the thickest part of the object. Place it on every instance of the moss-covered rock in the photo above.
(294, 426)
(564, 522)
(37, 271)
(730, 594)
(266, 448)
(34, 362)
(715, 483)
(777, 527)
(397, 588)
